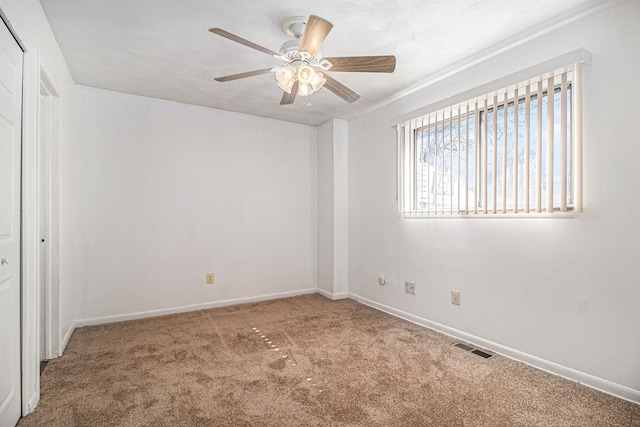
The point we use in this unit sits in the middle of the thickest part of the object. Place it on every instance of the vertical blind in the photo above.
(516, 150)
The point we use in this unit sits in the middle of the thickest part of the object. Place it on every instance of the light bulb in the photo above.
(304, 89)
(305, 74)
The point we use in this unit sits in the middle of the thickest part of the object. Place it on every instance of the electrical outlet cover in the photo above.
(410, 287)
(455, 297)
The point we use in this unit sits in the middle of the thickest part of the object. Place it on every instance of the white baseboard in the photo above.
(597, 383)
(33, 402)
(332, 296)
(66, 338)
(185, 308)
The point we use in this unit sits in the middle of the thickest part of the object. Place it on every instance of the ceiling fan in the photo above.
(304, 70)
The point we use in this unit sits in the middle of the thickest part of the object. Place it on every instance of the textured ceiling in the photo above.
(162, 49)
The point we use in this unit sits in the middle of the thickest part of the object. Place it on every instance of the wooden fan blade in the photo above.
(288, 98)
(314, 34)
(364, 64)
(228, 35)
(242, 75)
(339, 89)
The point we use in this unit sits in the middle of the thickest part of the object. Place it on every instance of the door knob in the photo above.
(4, 261)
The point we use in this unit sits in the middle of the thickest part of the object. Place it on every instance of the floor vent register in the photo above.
(473, 350)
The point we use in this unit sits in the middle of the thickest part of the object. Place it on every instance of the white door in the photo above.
(10, 148)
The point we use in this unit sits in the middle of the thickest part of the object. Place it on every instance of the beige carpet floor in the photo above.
(303, 361)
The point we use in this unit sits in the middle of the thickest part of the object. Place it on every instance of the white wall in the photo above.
(325, 207)
(333, 208)
(168, 192)
(340, 208)
(562, 291)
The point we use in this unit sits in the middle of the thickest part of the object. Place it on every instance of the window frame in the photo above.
(480, 102)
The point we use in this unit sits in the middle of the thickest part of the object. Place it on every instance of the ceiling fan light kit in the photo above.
(303, 64)
(308, 80)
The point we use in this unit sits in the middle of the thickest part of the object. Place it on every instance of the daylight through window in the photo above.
(512, 151)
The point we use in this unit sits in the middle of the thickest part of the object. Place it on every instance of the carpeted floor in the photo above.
(303, 361)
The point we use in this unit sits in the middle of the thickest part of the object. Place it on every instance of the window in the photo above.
(514, 150)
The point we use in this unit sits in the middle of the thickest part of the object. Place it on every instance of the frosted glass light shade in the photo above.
(306, 74)
(305, 89)
(286, 76)
(318, 81)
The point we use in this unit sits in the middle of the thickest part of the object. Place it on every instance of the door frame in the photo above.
(30, 233)
(50, 111)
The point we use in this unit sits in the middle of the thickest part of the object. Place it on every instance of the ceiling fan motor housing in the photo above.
(289, 46)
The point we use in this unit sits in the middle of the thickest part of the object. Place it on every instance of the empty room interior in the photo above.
(368, 213)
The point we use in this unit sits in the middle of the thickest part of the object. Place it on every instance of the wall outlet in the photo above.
(410, 287)
(210, 278)
(382, 280)
(455, 297)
